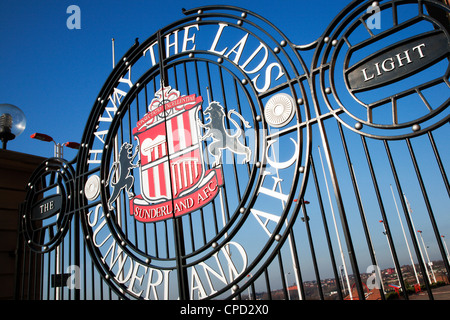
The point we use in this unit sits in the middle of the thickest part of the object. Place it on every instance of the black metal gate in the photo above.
(330, 182)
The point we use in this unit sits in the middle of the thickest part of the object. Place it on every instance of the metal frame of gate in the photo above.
(358, 168)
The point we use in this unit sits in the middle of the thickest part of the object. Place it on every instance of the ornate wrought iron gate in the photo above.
(223, 161)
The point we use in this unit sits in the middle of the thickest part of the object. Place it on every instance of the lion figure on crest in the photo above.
(119, 174)
(222, 140)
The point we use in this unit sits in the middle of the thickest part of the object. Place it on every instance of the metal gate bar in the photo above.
(49, 275)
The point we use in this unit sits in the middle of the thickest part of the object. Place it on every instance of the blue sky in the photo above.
(54, 75)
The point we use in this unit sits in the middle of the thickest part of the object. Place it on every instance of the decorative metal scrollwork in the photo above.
(371, 79)
(49, 205)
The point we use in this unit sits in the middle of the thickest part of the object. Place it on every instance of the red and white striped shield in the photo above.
(171, 162)
(172, 173)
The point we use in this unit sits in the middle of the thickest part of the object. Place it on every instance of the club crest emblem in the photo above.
(173, 177)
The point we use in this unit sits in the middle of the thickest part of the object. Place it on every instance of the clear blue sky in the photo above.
(54, 74)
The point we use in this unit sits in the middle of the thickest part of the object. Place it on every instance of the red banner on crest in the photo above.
(186, 102)
(204, 194)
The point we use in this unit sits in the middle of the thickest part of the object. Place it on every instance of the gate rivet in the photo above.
(239, 23)
(278, 237)
(300, 101)
(276, 50)
(301, 169)
(235, 287)
(191, 55)
(241, 210)
(214, 244)
(416, 127)
(244, 81)
(258, 118)
(200, 11)
(258, 164)
(244, 15)
(220, 60)
(327, 90)
(283, 43)
(334, 42)
(358, 126)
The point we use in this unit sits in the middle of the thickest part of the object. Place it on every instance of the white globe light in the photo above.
(12, 122)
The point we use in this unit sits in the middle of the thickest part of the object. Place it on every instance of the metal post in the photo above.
(392, 254)
(409, 211)
(428, 257)
(336, 228)
(446, 249)
(404, 235)
(182, 276)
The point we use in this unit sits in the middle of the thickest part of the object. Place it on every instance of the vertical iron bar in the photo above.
(408, 221)
(439, 162)
(84, 270)
(156, 240)
(383, 215)
(35, 277)
(167, 239)
(296, 264)
(199, 90)
(359, 202)
(327, 231)
(77, 255)
(253, 291)
(305, 219)
(283, 278)
(341, 209)
(183, 287)
(269, 291)
(437, 234)
(49, 275)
